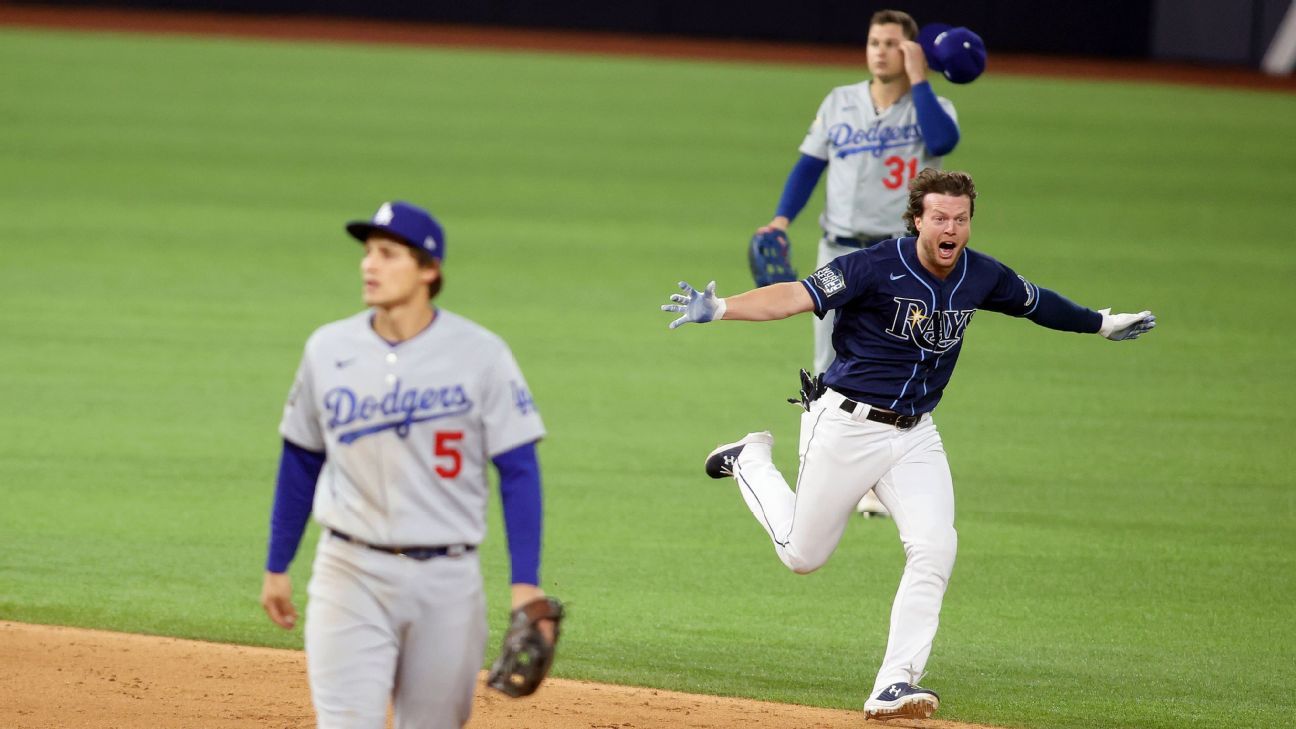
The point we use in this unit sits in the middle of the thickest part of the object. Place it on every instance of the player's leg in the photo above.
(840, 459)
(919, 492)
(351, 646)
(443, 644)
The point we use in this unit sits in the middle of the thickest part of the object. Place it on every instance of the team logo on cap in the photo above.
(430, 243)
(384, 214)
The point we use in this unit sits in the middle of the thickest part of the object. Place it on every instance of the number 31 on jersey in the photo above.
(898, 167)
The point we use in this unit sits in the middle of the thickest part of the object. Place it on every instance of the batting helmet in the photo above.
(957, 53)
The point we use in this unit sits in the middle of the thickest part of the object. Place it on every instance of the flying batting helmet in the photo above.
(957, 53)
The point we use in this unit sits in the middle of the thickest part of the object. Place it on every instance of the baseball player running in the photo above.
(388, 429)
(903, 307)
(872, 137)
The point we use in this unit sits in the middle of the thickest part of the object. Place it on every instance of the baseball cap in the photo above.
(408, 223)
(958, 53)
(927, 39)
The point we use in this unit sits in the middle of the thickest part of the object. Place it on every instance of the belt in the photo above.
(878, 415)
(419, 553)
(842, 240)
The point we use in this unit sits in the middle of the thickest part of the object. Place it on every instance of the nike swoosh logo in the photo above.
(897, 278)
(344, 362)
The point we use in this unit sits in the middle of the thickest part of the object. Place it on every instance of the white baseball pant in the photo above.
(843, 455)
(380, 626)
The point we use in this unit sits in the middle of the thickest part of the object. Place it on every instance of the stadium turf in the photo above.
(170, 233)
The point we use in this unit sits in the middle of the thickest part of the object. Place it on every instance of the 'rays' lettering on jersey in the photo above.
(411, 406)
(937, 333)
(876, 138)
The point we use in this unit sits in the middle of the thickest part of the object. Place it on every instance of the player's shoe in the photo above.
(902, 701)
(870, 507)
(720, 462)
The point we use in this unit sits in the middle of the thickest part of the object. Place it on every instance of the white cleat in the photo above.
(870, 507)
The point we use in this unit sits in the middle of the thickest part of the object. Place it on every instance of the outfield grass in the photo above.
(170, 232)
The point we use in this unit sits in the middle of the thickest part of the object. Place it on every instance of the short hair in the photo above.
(932, 180)
(425, 260)
(900, 18)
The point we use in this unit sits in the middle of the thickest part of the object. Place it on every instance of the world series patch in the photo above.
(828, 280)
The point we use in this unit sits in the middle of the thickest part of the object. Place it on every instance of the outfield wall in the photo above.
(1211, 31)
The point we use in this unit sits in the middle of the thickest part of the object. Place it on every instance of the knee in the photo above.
(800, 562)
(933, 553)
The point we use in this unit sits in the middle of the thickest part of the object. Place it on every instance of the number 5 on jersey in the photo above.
(447, 446)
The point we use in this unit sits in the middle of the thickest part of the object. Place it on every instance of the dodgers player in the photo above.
(903, 308)
(389, 426)
(872, 137)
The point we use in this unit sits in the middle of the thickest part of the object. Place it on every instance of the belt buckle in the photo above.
(912, 420)
(456, 550)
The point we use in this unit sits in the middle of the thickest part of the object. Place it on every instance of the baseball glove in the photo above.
(770, 256)
(526, 655)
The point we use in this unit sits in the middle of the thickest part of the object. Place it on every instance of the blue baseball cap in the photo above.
(410, 224)
(959, 54)
(927, 39)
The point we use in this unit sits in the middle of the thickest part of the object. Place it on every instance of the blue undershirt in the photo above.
(940, 134)
(519, 472)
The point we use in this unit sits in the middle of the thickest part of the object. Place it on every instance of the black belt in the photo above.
(886, 417)
(419, 553)
(842, 240)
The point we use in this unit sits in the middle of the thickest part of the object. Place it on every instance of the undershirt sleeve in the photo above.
(299, 470)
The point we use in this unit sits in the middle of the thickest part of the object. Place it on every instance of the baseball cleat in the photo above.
(870, 507)
(720, 462)
(902, 701)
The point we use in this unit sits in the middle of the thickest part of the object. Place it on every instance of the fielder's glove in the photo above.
(769, 255)
(526, 655)
(696, 306)
(1125, 326)
(811, 389)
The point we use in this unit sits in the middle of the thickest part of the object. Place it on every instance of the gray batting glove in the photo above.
(1125, 326)
(696, 306)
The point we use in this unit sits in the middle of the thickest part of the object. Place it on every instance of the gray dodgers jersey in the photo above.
(871, 158)
(408, 429)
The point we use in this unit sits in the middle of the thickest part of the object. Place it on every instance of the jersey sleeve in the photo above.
(509, 413)
(300, 424)
(815, 143)
(840, 281)
(1011, 294)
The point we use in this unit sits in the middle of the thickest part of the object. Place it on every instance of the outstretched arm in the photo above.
(776, 301)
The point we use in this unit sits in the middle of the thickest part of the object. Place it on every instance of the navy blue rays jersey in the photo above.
(899, 328)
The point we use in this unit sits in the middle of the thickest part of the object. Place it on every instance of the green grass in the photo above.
(170, 232)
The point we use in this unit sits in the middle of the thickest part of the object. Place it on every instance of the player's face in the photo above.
(391, 273)
(943, 231)
(885, 61)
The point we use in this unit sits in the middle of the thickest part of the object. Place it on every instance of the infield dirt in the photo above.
(73, 678)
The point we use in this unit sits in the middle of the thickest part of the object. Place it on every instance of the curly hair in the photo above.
(945, 183)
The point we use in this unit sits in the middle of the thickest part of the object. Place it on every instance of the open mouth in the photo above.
(947, 248)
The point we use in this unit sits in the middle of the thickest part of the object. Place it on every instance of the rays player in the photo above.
(903, 308)
(872, 138)
(391, 423)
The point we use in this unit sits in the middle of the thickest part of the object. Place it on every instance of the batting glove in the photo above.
(1125, 326)
(696, 306)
